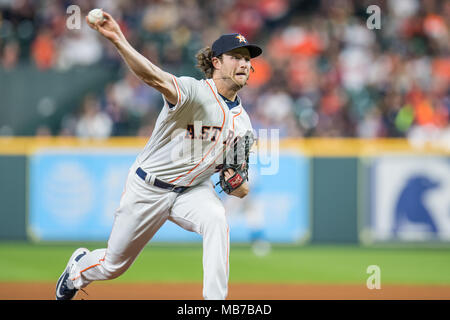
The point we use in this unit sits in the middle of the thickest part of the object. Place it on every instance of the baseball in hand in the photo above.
(95, 15)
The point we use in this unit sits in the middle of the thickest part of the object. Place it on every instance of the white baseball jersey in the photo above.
(187, 143)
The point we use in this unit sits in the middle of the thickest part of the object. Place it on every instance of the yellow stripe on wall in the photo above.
(26, 145)
(351, 147)
(319, 147)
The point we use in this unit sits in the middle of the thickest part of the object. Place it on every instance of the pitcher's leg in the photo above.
(124, 245)
(93, 259)
(141, 213)
(200, 210)
(216, 246)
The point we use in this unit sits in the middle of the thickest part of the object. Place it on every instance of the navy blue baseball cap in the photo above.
(228, 42)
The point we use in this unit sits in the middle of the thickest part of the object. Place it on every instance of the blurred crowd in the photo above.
(324, 72)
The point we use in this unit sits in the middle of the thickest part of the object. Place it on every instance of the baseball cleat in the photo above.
(64, 287)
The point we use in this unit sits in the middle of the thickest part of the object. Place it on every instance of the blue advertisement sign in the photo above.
(73, 196)
(410, 199)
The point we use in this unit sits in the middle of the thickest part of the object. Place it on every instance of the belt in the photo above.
(158, 183)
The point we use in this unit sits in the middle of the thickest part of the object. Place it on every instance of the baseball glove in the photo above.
(236, 158)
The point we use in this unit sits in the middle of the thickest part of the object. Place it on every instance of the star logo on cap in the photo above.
(241, 38)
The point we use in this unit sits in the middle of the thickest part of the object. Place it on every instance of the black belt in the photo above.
(141, 173)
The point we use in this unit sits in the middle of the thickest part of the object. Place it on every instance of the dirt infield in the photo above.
(119, 291)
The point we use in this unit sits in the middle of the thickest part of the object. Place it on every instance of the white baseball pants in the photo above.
(143, 209)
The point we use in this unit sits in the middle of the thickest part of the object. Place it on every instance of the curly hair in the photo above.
(204, 61)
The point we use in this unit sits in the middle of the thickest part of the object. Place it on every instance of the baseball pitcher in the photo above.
(202, 129)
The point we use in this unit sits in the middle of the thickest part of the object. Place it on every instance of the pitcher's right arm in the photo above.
(140, 65)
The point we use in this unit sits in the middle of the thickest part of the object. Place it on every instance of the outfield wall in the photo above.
(321, 191)
(13, 196)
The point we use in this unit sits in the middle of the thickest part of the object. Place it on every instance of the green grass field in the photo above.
(285, 264)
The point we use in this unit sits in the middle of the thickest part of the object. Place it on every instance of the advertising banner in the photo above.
(409, 199)
(73, 195)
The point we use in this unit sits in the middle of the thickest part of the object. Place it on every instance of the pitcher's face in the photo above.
(236, 65)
